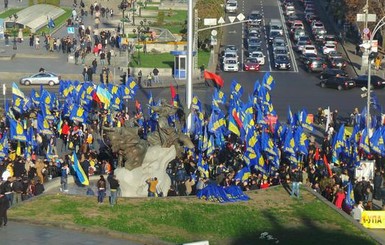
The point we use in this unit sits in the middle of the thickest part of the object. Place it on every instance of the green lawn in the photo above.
(5, 15)
(175, 16)
(180, 220)
(58, 22)
(164, 60)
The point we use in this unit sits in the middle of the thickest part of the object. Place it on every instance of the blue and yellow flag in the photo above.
(243, 174)
(4, 147)
(43, 125)
(17, 130)
(78, 114)
(268, 81)
(104, 96)
(16, 91)
(83, 178)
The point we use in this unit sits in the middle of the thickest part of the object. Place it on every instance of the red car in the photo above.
(251, 64)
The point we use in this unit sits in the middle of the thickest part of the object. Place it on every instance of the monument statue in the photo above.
(126, 139)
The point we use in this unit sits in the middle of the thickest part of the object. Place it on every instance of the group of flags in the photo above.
(79, 100)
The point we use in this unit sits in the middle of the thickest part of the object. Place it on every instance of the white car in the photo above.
(259, 56)
(329, 47)
(309, 49)
(231, 65)
(231, 6)
(229, 55)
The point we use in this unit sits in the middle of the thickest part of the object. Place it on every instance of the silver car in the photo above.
(41, 78)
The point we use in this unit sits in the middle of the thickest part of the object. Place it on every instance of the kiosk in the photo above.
(180, 64)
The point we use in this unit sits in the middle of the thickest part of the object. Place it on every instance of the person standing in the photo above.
(140, 77)
(377, 181)
(156, 75)
(296, 179)
(149, 80)
(109, 54)
(101, 185)
(76, 55)
(152, 183)
(114, 186)
(64, 177)
(358, 48)
(94, 66)
(102, 57)
(4, 205)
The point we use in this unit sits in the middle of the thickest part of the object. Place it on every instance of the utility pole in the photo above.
(365, 55)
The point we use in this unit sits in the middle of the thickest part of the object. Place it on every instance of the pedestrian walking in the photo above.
(101, 185)
(4, 205)
(109, 54)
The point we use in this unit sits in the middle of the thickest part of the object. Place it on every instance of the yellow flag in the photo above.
(18, 149)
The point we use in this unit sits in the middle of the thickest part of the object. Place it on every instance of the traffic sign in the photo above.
(241, 17)
(366, 31)
(71, 30)
(214, 33)
(232, 18)
(221, 21)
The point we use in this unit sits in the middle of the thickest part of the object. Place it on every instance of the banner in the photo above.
(373, 219)
(2, 28)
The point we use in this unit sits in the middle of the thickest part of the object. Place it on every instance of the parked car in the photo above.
(339, 83)
(41, 78)
(282, 62)
(251, 64)
(375, 81)
(332, 73)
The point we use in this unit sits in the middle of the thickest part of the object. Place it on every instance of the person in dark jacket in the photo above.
(114, 186)
(377, 181)
(39, 188)
(296, 179)
(4, 205)
(101, 185)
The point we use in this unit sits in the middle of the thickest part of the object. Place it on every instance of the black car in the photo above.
(376, 81)
(282, 62)
(337, 62)
(316, 64)
(273, 35)
(339, 83)
(332, 73)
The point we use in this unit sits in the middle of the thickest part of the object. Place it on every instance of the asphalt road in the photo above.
(37, 235)
(296, 88)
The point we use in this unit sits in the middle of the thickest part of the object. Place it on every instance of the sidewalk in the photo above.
(348, 47)
(29, 60)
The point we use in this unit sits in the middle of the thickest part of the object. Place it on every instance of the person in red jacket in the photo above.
(265, 184)
(65, 131)
(340, 197)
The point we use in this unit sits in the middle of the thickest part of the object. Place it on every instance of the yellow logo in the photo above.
(114, 89)
(46, 124)
(80, 112)
(47, 100)
(19, 129)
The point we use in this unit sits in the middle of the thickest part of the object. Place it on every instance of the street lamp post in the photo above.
(368, 48)
(123, 6)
